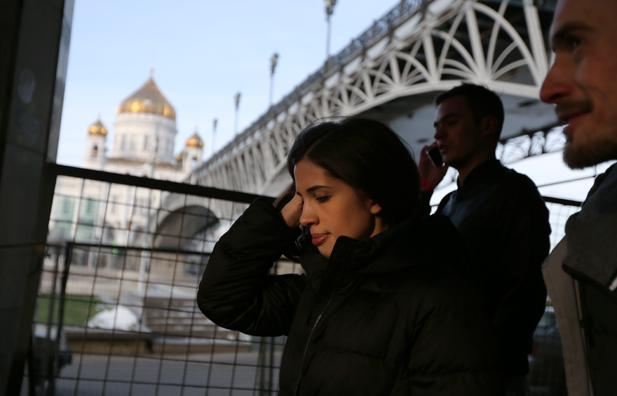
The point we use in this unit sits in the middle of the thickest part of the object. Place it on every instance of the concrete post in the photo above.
(34, 43)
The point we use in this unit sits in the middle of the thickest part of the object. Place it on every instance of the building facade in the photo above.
(142, 144)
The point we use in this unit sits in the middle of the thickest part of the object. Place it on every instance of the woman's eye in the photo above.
(322, 198)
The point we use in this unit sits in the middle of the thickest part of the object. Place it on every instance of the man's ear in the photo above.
(488, 126)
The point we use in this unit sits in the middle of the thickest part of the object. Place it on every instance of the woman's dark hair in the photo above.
(368, 156)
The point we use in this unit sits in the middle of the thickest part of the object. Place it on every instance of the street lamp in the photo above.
(273, 63)
(237, 98)
(329, 11)
(215, 123)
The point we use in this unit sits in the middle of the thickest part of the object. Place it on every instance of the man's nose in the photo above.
(439, 132)
(556, 84)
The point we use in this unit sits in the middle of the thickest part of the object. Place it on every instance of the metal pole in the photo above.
(237, 98)
(329, 32)
(273, 63)
(214, 125)
(329, 11)
(143, 259)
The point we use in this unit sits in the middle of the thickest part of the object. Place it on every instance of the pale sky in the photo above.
(203, 52)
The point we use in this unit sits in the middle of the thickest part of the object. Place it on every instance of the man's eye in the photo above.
(574, 43)
(322, 198)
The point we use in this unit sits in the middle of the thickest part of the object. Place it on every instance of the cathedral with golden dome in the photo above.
(142, 143)
(143, 139)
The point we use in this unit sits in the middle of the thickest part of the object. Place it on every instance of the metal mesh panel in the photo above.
(119, 281)
(546, 375)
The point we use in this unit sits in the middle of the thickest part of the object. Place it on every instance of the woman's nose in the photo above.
(307, 217)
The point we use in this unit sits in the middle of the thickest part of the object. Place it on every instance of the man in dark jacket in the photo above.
(581, 273)
(500, 215)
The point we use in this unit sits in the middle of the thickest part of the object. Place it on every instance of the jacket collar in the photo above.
(398, 247)
(484, 173)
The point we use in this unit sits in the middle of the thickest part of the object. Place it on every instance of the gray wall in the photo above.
(34, 43)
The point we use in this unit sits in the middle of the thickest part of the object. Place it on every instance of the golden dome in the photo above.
(97, 129)
(148, 99)
(194, 141)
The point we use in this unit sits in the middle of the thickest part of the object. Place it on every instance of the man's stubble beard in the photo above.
(600, 149)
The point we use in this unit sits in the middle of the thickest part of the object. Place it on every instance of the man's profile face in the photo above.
(457, 132)
(582, 82)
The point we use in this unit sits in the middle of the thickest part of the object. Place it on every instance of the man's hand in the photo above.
(430, 174)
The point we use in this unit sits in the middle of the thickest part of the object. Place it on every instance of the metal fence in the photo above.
(116, 311)
(547, 375)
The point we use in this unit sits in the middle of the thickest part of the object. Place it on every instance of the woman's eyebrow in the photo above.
(314, 189)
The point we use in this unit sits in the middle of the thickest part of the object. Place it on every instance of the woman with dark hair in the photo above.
(380, 308)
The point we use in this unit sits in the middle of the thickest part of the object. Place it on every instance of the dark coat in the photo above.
(503, 222)
(387, 316)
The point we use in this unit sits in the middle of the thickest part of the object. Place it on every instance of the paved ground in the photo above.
(221, 374)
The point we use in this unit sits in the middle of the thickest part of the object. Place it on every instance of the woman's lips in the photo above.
(318, 239)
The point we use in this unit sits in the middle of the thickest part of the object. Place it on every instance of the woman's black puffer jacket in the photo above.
(386, 316)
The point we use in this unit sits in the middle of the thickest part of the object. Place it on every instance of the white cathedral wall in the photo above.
(192, 159)
(135, 137)
(96, 159)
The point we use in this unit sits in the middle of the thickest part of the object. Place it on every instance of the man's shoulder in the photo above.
(607, 179)
(512, 176)
(522, 194)
(518, 184)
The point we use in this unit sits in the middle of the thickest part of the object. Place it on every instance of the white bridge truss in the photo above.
(419, 47)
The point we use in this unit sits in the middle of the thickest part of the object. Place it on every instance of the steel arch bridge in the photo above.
(392, 72)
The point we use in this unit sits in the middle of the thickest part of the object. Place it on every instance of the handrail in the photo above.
(561, 201)
(146, 182)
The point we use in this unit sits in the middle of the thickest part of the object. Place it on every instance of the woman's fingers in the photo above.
(292, 210)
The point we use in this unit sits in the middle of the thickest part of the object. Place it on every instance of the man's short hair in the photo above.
(483, 102)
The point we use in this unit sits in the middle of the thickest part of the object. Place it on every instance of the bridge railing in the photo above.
(116, 309)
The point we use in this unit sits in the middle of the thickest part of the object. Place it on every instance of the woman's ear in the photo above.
(375, 208)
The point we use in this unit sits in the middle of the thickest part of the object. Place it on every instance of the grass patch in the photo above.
(77, 310)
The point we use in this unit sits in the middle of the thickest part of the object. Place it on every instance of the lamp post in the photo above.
(273, 63)
(215, 123)
(237, 98)
(329, 11)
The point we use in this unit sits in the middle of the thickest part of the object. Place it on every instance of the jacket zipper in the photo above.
(308, 342)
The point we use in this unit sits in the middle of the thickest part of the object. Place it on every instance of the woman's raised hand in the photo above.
(292, 210)
(290, 205)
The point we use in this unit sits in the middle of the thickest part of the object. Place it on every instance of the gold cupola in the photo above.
(97, 129)
(195, 141)
(148, 99)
